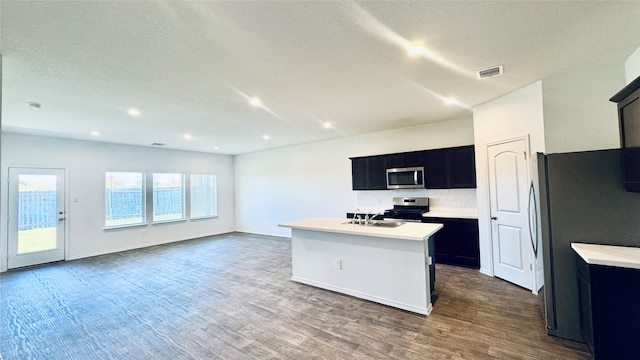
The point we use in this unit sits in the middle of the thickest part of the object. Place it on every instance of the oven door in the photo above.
(405, 178)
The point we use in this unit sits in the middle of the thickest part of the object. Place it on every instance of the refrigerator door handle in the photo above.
(534, 242)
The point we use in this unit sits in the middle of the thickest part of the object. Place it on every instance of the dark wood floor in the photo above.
(234, 299)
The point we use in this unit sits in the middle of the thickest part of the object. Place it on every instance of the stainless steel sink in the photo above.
(390, 224)
(378, 223)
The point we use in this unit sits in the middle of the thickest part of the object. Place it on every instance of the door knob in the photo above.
(494, 218)
(60, 219)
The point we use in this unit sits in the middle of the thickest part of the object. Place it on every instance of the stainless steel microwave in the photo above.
(405, 178)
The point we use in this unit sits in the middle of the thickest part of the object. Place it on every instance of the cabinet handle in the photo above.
(533, 228)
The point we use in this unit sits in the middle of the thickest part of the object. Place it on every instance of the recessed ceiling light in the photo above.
(216, 148)
(266, 136)
(35, 105)
(187, 136)
(133, 112)
(416, 48)
(327, 125)
(255, 102)
(94, 133)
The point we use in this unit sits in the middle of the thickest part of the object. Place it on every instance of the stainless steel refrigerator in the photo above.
(582, 199)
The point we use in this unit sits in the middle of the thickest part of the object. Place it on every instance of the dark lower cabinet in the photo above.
(609, 299)
(457, 243)
(432, 268)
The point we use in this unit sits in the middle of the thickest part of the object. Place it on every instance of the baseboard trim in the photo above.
(139, 246)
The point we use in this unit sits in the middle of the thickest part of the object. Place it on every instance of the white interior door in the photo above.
(508, 187)
(36, 227)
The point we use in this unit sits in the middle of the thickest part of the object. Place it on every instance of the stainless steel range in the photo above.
(408, 208)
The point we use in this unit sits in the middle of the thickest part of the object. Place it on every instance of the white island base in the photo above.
(389, 266)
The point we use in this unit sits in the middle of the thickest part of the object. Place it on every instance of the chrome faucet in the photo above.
(353, 219)
(369, 217)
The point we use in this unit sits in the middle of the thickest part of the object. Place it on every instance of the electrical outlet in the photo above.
(338, 264)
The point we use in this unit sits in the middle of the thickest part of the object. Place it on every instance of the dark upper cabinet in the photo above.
(443, 168)
(628, 100)
(359, 173)
(436, 169)
(450, 168)
(402, 160)
(369, 173)
(396, 161)
(462, 167)
(377, 172)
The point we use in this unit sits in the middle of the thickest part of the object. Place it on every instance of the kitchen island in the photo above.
(389, 265)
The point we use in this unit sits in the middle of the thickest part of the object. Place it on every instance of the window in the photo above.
(168, 197)
(203, 196)
(124, 202)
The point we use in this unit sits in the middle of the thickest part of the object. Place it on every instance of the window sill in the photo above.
(204, 217)
(169, 221)
(120, 227)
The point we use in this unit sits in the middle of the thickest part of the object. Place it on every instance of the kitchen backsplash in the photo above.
(462, 199)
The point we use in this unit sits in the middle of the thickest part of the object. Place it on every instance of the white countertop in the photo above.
(407, 231)
(452, 213)
(609, 255)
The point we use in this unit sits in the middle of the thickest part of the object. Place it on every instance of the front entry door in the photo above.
(36, 216)
(508, 187)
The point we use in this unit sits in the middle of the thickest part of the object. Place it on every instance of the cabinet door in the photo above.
(436, 169)
(408, 159)
(369, 173)
(457, 243)
(584, 301)
(615, 296)
(462, 167)
(359, 173)
(442, 247)
(442, 241)
(466, 243)
(377, 172)
(414, 158)
(396, 160)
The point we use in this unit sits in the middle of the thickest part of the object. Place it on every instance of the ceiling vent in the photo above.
(490, 72)
(158, 144)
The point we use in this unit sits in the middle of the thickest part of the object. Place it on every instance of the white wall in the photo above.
(632, 66)
(518, 114)
(578, 115)
(86, 162)
(314, 180)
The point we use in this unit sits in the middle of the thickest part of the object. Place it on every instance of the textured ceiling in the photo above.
(190, 67)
